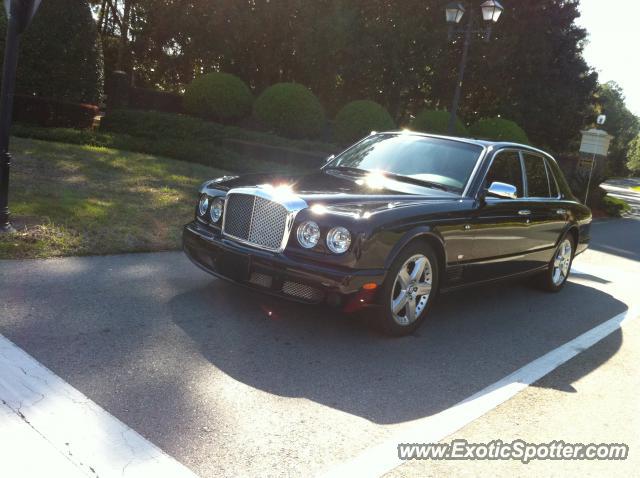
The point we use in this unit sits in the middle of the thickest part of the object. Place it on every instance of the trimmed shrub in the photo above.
(290, 109)
(157, 125)
(437, 122)
(51, 112)
(358, 118)
(219, 97)
(615, 207)
(499, 129)
(60, 54)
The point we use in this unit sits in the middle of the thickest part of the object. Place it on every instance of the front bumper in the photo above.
(274, 273)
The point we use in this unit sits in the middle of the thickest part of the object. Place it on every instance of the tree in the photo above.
(633, 156)
(621, 123)
(60, 54)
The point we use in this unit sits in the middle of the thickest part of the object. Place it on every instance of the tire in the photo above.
(555, 276)
(399, 321)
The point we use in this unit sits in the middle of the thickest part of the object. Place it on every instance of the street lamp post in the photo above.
(454, 11)
(19, 14)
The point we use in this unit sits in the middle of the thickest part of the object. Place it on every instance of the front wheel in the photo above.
(409, 290)
(554, 278)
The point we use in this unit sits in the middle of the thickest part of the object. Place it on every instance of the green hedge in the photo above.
(291, 110)
(498, 129)
(202, 152)
(157, 125)
(60, 53)
(358, 118)
(615, 207)
(437, 122)
(219, 97)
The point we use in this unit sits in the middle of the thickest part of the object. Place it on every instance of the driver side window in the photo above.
(506, 168)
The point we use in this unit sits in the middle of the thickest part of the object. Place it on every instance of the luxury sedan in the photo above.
(391, 222)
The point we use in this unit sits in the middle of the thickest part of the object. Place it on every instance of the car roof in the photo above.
(478, 142)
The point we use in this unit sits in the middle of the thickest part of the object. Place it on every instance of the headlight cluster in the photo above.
(338, 238)
(215, 211)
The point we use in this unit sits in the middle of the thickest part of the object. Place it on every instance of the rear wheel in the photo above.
(554, 278)
(409, 290)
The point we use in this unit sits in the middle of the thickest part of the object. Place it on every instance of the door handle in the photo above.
(561, 212)
(524, 212)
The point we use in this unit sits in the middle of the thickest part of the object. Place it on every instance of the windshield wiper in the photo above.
(419, 182)
(397, 177)
(346, 168)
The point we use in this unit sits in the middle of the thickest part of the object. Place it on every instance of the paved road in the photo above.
(232, 383)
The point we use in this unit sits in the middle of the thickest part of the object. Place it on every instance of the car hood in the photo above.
(337, 188)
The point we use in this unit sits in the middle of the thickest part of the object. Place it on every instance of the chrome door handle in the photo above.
(524, 212)
(561, 212)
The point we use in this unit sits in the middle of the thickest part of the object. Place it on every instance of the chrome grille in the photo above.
(255, 220)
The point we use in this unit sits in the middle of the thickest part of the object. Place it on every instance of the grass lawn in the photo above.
(77, 200)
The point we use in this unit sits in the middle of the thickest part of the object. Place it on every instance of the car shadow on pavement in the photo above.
(474, 338)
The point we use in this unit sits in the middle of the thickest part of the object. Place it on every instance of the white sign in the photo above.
(595, 141)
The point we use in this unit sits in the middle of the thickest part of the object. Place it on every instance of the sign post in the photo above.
(595, 142)
(19, 15)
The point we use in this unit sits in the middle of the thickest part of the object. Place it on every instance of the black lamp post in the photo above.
(454, 11)
(19, 15)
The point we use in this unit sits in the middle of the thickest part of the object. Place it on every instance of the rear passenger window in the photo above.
(537, 180)
(553, 183)
(505, 168)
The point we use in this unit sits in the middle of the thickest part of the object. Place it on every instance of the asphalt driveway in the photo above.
(233, 383)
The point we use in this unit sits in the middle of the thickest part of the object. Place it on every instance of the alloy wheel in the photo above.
(562, 262)
(411, 289)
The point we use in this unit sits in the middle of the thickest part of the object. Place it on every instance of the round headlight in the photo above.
(338, 240)
(216, 209)
(203, 205)
(308, 234)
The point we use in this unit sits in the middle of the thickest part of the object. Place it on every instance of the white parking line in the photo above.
(382, 458)
(46, 424)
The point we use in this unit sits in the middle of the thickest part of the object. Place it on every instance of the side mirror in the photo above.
(502, 190)
(330, 158)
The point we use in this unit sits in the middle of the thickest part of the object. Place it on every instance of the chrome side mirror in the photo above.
(502, 190)
(330, 158)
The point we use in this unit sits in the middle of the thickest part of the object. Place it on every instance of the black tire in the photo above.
(385, 320)
(548, 280)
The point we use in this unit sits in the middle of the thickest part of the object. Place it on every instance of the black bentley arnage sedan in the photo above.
(392, 221)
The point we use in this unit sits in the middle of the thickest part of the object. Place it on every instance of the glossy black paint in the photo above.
(478, 238)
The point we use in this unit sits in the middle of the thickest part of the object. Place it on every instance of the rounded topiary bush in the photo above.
(290, 109)
(498, 129)
(359, 118)
(437, 122)
(219, 97)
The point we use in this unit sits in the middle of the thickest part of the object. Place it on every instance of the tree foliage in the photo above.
(60, 54)
(621, 123)
(395, 53)
(633, 156)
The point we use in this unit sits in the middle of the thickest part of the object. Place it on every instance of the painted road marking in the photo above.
(71, 431)
(382, 458)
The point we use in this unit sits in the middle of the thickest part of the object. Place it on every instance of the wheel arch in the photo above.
(424, 234)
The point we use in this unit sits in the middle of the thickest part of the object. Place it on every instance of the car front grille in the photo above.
(255, 220)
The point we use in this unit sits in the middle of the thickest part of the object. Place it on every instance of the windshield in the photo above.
(443, 162)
